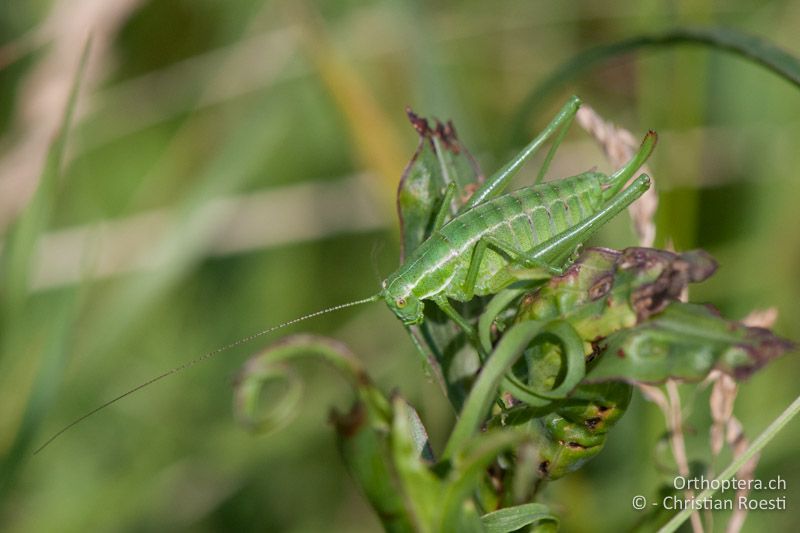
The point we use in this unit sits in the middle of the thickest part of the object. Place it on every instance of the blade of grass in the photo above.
(18, 256)
(748, 47)
(45, 387)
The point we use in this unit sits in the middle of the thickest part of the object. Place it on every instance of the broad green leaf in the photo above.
(596, 406)
(686, 341)
(603, 292)
(514, 518)
(608, 290)
(568, 433)
(422, 444)
(421, 489)
(364, 444)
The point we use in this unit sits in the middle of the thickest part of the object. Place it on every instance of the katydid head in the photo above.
(406, 306)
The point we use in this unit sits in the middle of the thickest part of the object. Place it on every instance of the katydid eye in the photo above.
(400, 302)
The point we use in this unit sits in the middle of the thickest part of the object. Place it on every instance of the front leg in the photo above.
(444, 304)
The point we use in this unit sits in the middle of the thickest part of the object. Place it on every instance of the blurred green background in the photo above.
(232, 165)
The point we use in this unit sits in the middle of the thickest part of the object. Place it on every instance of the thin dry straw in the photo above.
(200, 359)
(757, 445)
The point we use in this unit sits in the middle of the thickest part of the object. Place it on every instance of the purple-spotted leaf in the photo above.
(686, 341)
(606, 290)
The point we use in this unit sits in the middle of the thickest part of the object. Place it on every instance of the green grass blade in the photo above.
(758, 444)
(14, 277)
(748, 47)
(45, 388)
(20, 245)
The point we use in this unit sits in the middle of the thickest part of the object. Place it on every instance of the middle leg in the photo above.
(521, 257)
(444, 304)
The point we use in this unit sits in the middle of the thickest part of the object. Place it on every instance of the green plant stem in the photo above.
(746, 46)
(762, 440)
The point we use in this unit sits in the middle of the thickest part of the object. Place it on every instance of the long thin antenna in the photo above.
(209, 355)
